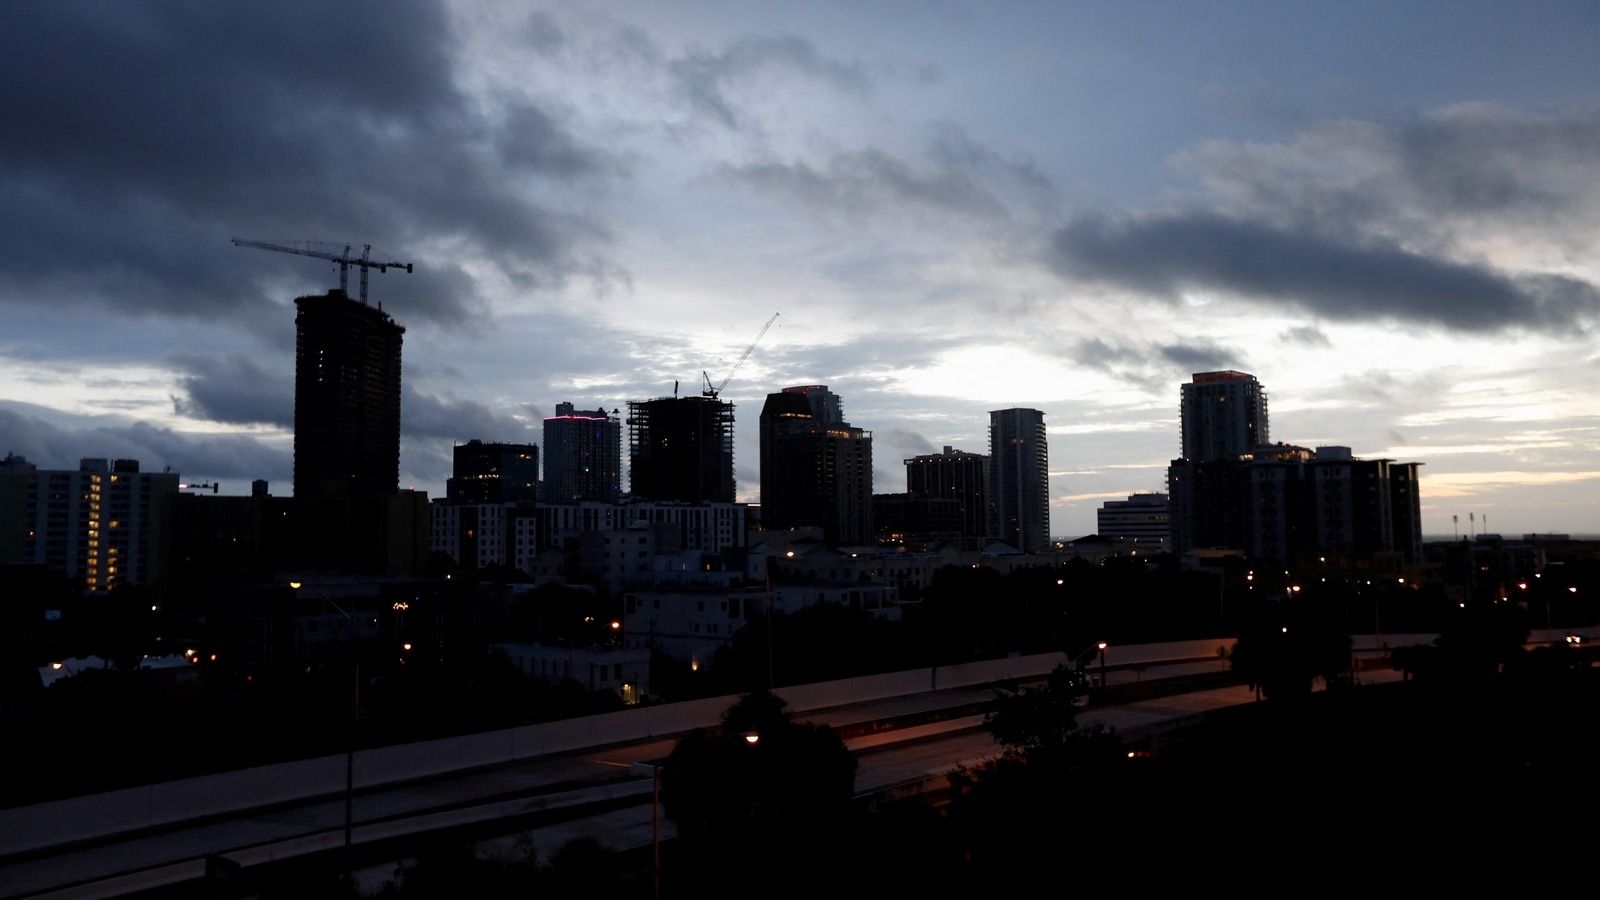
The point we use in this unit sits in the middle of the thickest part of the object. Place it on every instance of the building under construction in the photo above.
(681, 448)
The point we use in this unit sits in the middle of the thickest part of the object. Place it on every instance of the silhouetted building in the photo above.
(346, 399)
(582, 456)
(493, 473)
(959, 476)
(815, 468)
(1289, 504)
(103, 523)
(915, 522)
(1142, 518)
(1019, 479)
(1223, 413)
(681, 448)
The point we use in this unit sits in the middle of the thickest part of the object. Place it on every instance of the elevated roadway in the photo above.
(906, 740)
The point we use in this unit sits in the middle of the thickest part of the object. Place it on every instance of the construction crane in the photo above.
(345, 260)
(712, 392)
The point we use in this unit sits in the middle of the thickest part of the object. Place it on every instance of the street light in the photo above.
(355, 716)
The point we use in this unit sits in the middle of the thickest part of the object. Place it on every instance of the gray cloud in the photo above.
(447, 416)
(1444, 172)
(866, 181)
(155, 133)
(1306, 336)
(1152, 367)
(235, 389)
(704, 78)
(1334, 276)
(56, 446)
(1201, 356)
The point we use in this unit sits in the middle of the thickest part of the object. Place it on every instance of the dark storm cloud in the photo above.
(447, 416)
(54, 446)
(705, 78)
(1445, 169)
(1332, 275)
(235, 389)
(1197, 357)
(139, 137)
(1152, 367)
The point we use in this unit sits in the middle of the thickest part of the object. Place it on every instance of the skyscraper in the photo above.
(346, 399)
(1019, 479)
(681, 448)
(816, 470)
(582, 456)
(493, 473)
(959, 476)
(1223, 413)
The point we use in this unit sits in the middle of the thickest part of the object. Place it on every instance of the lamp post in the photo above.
(355, 715)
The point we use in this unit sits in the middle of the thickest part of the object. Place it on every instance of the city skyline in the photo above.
(1380, 214)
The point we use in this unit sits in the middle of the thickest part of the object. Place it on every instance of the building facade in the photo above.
(1223, 414)
(103, 523)
(959, 476)
(681, 449)
(816, 469)
(493, 473)
(1019, 479)
(346, 399)
(1142, 519)
(1288, 504)
(582, 456)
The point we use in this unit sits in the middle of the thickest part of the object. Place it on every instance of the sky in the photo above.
(1386, 212)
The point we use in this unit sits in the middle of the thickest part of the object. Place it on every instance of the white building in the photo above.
(691, 624)
(1142, 518)
(102, 523)
(598, 667)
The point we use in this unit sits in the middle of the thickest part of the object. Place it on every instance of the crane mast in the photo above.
(345, 260)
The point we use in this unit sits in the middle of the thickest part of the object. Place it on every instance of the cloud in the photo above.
(1152, 367)
(1459, 172)
(1471, 218)
(446, 416)
(1338, 277)
(955, 176)
(234, 389)
(53, 446)
(867, 181)
(146, 136)
(1306, 336)
(705, 78)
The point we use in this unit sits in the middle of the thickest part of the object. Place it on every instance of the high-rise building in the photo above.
(1291, 504)
(1019, 479)
(103, 522)
(1142, 518)
(493, 473)
(681, 448)
(1223, 414)
(582, 456)
(816, 470)
(959, 476)
(346, 399)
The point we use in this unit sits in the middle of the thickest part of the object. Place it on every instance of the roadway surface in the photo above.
(543, 803)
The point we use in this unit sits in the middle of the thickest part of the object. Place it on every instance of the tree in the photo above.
(761, 791)
(1050, 765)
